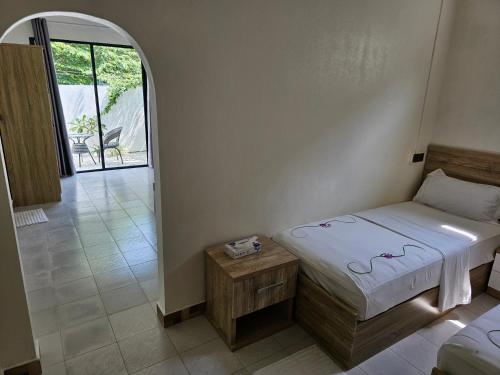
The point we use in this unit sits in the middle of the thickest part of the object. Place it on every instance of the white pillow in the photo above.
(474, 201)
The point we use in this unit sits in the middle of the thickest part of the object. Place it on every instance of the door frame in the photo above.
(96, 96)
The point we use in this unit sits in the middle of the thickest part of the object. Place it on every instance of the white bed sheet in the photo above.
(485, 236)
(320, 262)
(326, 252)
(451, 235)
(470, 351)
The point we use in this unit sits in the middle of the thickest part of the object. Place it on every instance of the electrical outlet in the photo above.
(418, 158)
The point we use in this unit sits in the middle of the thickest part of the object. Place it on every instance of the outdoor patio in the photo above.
(129, 159)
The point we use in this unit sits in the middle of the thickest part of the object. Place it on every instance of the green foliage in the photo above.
(86, 125)
(118, 68)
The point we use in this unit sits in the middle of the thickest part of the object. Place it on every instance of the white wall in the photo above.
(271, 114)
(469, 106)
(16, 340)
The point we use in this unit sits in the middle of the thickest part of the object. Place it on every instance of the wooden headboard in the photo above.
(476, 166)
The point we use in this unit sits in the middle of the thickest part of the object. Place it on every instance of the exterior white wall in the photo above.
(127, 112)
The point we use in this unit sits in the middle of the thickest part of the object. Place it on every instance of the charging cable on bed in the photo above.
(488, 334)
(383, 255)
(326, 224)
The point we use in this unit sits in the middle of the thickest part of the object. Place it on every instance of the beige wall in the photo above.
(469, 106)
(16, 341)
(271, 113)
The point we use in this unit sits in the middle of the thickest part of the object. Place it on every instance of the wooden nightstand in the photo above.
(251, 297)
(494, 283)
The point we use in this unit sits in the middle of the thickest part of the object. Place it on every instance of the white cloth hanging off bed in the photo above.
(427, 226)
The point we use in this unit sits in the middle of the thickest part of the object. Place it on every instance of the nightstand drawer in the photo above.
(264, 289)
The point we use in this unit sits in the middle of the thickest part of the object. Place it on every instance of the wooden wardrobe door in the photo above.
(26, 126)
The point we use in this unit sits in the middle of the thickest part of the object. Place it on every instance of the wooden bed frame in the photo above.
(335, 324)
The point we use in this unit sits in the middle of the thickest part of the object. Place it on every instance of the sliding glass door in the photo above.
(102, 91)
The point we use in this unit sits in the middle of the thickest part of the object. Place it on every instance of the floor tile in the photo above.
(66, 274)
(78, 312)
(132, 204)
(103, 361)
(389, 363)
(51, 349)
(57, 369)
(96, 239)
(278, 356)
(41, 299)
(145, 271)
(67, 258)
(212, 357)
(482, 303)
(114, 279)
(126, 233)
(36, 263)
(172, 366)
(290, 336)
(151, 289)
(299, 345)
(44, 322)
(191, 333)
(421, 353)
(38, 280)
(107, 263)
(139, 256)
(137, 319)
(442, 329)
(87, 228)
(123, 298)
(143, 219)
(121, 222)
(68, 245)
(135, 244)
(75, 290)
(86, 337)
(146, 348)
(258, 351)
(102, 250)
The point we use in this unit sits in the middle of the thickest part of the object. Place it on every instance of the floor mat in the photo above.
(30, 217)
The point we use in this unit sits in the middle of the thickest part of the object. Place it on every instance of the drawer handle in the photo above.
(272, 286)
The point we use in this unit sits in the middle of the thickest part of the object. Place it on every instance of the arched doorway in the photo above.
(152, 120)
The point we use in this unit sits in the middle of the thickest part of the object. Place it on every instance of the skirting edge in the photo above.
(30, 368)
(181, 315)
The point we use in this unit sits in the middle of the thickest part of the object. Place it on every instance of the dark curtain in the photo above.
(41, 38)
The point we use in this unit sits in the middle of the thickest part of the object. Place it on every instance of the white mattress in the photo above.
(324, 255)
(470, 351)
(483, 237)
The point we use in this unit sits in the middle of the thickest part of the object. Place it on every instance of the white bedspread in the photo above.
(424, 224)
(328, 251)
(470, 351)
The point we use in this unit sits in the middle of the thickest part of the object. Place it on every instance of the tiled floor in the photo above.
(91, 278)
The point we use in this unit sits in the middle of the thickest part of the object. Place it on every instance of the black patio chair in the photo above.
(112, 141)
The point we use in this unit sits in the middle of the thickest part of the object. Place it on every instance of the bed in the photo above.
(475, 349)
(356, 317)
